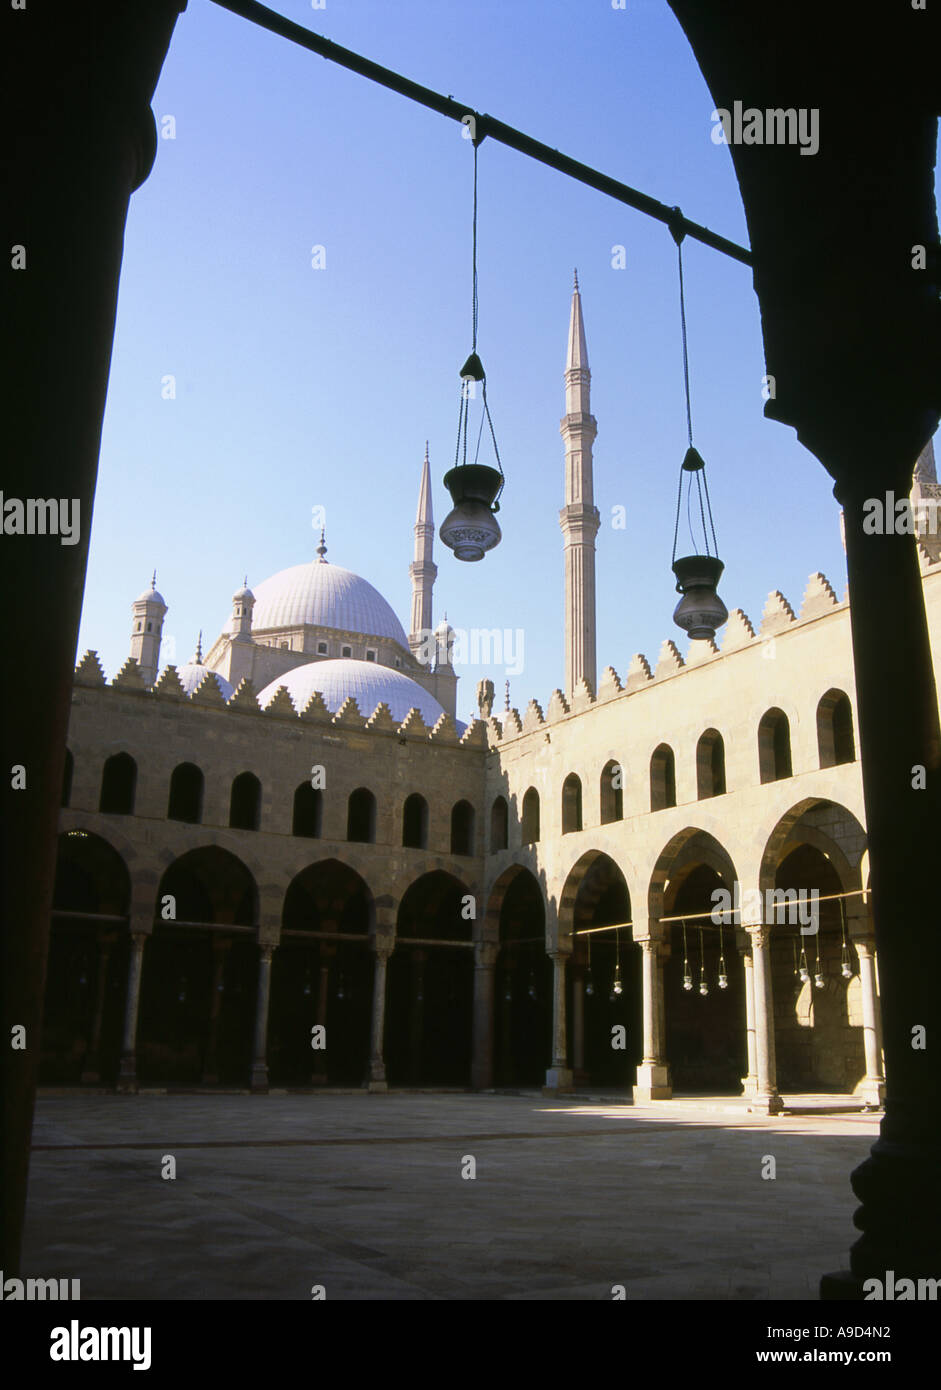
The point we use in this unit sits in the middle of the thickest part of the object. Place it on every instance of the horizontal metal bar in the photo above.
(484, 125)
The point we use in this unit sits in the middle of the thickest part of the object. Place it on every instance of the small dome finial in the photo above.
(322, 547)
(153, 582)
(507, 695)
(245, 581)
(198, 658)
(576, 280)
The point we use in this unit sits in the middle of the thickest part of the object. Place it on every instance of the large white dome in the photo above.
(325, 595)
(369, 684)
(193, 673)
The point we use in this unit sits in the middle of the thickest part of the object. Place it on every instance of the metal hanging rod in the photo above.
(484, 125)
(731, 911)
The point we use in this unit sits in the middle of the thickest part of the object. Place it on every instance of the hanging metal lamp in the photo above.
(700, 611)
(471, 529)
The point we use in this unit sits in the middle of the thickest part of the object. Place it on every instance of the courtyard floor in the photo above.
(364, 1195)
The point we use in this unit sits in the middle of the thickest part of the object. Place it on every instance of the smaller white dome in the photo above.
(369, 683)
(194, 673)
(243, 595)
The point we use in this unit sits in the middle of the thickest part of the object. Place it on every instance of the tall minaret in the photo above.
(579, 517)
(148, 612)
(423, 568)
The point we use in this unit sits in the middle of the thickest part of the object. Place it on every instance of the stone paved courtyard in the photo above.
(363, 1194)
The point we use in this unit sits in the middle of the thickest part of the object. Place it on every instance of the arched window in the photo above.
(710, 765)
(118, 783)
(499, 825)
(67, 777)
(361, 817)
(245, 803)
(662, 778)
(308, 812)
(415, 822)
(774, 746)
(612, 794)
(530, 823)
(835, 729)
(186, 794)
(462, 828)
(571, 804)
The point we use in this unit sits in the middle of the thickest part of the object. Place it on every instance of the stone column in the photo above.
(766, 1096)
(220, 947)
(127, 1073)
(872, 1088)
(91, 1071)
(750, 1082)
(382, 949)
(559, 1077)
(259, 1080)
(653, 1072)
(485, 960)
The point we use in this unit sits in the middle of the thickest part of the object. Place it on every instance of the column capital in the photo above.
(559, 953)
(485, 954)
(267, 950)
(759, 934)
(865, 946)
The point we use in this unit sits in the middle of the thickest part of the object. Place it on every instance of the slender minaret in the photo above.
(148, 612)
(579, 517)
(423, 568)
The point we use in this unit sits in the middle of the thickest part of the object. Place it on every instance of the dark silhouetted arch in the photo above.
(67, 771)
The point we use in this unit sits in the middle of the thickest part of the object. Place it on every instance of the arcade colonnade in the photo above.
(187, 974)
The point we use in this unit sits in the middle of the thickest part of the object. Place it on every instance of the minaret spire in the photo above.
(423, 569)
(579, 517)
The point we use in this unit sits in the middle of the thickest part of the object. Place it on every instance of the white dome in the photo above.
(324, 595)
(151, 596)
(369, 684)
(194, 672)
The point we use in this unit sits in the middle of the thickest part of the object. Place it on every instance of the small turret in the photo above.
(243, 601)
(148, 610)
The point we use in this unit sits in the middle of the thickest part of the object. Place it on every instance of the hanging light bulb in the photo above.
(803, 971)
(818, 975)
(687, 981)
(531, 991)
(819, 981)
(703, 987)
(617, 988)
(700, 611)
(846, 968)
(589, 982)
(687, 976)
(723, 977)
(590, 986)
(471, 529)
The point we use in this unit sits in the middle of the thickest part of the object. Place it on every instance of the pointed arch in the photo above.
(612, 792)
(710, 765)
(118, 785)
(530, 817)
(571, 804)
(662, 778)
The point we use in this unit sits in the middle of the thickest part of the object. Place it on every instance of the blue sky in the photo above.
(298, 388)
